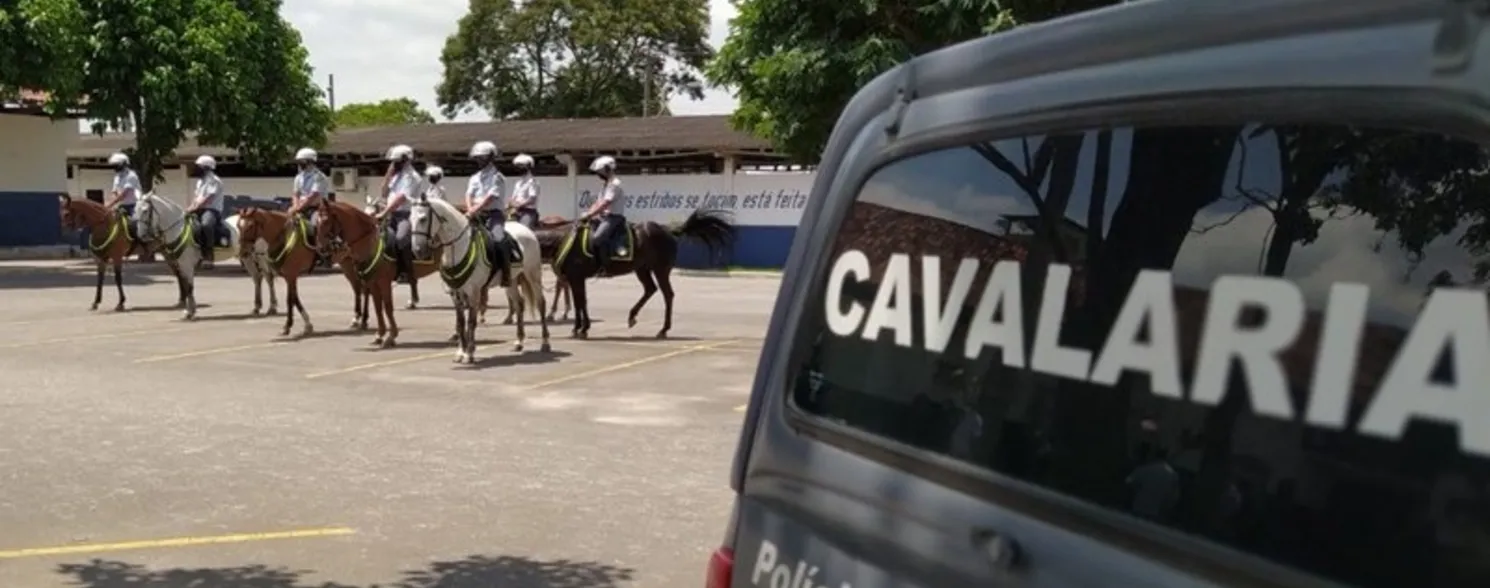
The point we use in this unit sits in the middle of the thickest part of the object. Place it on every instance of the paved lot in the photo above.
(145, 452)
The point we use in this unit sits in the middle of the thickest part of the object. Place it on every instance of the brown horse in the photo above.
(109, 241)
(290, 254)
(362, 248)
(651, 255)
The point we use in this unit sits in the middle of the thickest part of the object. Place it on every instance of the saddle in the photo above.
(621, 244)
(199, 233)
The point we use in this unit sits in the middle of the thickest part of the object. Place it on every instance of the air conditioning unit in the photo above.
(344, 179)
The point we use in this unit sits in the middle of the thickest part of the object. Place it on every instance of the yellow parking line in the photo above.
(93, 337)
(631, 364)
(175, 542)
(378, 364)
(213, 351)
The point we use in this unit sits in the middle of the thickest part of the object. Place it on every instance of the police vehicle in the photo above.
(1169, 294)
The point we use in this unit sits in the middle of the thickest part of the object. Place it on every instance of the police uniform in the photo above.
(525, 200)
(209, 215)
(489, 181)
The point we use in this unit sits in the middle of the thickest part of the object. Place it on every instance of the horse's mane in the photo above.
(447, 211)
(353, 211)
(158, 199)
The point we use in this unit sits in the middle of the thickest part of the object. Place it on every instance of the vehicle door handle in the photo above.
(1002, 552)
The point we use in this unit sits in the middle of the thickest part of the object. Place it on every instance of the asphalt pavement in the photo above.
(142, 451)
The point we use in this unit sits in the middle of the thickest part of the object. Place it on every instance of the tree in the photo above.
(43, 50)
(574, 58)
(233, 72)
(386, 113)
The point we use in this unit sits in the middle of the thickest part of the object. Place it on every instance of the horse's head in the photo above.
(155, 215)
(433, 223)
(254, 224)
(341, 226)
(70, 220)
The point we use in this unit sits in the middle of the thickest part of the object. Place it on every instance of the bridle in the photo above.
(148, 217)
(330, 219)
(429, 229)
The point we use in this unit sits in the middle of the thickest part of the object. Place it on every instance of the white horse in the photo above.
(163, 225)
(258, 267)
(467, 273)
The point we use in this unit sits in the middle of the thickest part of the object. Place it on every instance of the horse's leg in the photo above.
(269, 274)
(568, 299)
(253, 274)
(470, 332)
(98, 286)
(535, 287)
(515, 301)
(356, 303)
(665, 282)
(460, 328)
(413, 293)
(387, 289)
(378, 309)
(292, 299)
(649, 287)
(581, 309)
(186, 274)
(119, 284)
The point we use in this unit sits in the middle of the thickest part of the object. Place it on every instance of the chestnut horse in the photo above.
(651, 255)
(290, 255)
(362, 248)
(109, 240)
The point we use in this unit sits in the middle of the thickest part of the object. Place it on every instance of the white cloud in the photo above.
(380, 49)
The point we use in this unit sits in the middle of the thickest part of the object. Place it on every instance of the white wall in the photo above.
(33, 153)
(756, 199)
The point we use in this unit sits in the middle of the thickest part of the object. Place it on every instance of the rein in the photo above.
(379, 249)
(291, 234)
(456, 275)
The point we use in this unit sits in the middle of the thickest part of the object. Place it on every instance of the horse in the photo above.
(167, 229)
(290, 255)
(551, 235)
(650, 251)
(422, 268)
(363, 249)
(256, 263)
(110, 239)
(466, 266)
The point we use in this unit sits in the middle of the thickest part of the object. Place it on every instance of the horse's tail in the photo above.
(713, 227)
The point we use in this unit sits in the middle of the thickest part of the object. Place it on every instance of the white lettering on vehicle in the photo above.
(1455, 322)
(779, 574)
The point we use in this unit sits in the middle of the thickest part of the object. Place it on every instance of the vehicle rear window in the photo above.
(1272, 336)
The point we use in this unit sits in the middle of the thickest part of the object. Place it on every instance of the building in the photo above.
(33, 170)
(669, 166)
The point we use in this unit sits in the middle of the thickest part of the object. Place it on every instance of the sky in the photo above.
(380, 49)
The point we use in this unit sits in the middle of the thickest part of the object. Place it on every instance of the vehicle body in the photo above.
(1168, 294)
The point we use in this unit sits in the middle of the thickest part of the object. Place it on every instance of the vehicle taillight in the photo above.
(721, 567)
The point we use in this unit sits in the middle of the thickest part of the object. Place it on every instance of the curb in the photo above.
(42, 252)
(751, 274)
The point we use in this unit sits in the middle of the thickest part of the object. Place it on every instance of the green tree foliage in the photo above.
(794, 65)
(574, 58)
(386, 113)
(233, 72)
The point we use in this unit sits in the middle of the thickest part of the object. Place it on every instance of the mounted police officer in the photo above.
(609, 208)
(404, 185)
(432, 188)
(484, 198)
(310, 187)
(524, 200)
(125, 193)
(206, 205)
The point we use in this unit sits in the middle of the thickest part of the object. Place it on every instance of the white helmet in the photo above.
(206, 162)
(484, 149)
(434, 172)
(523, 160)
(306, 154)
(118, 159)
(399, 152)
(604, 162)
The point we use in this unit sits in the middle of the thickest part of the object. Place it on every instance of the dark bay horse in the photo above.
(109, 240)
(652, 254)
(365, 255)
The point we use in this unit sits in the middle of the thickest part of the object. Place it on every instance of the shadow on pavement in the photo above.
(476, 571)
(37, 278)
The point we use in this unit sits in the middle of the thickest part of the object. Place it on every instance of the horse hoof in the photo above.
(661, 334)
(630, 322)
(517, 348)
(272, 311)
(94, 307)
(545, 347)
(377, 342)
(284, 333)
(307, 331)
(411, 305)
(584, 334)
(119, 308)
(256, 312)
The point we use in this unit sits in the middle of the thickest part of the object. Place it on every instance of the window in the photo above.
(1274, 337)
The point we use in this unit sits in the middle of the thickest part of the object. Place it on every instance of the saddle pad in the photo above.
(627, 241)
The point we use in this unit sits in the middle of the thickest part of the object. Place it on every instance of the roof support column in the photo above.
(573, 165)
(729, 174)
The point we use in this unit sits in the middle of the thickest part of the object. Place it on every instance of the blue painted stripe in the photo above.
(30, 219)
(755, 247)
